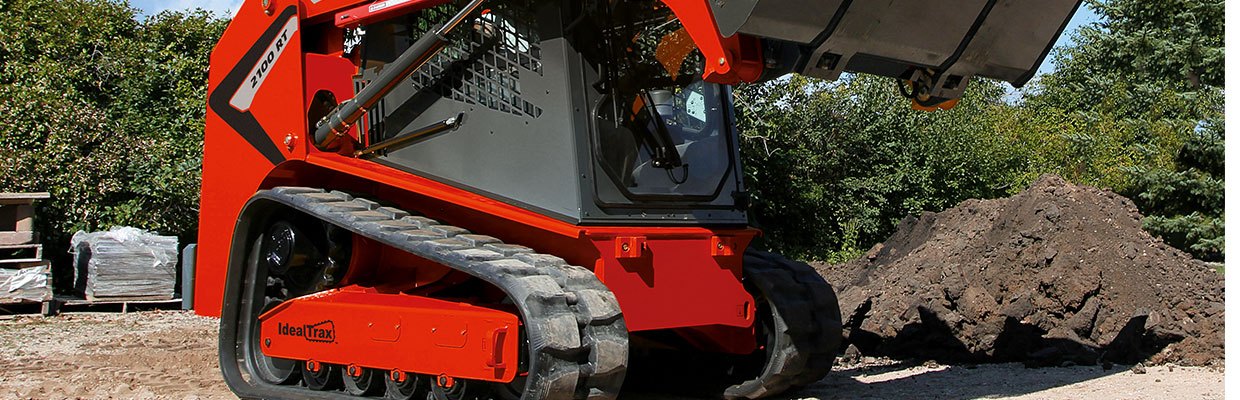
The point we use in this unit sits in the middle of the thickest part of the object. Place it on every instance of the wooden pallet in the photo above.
(130, 299)
(17, 217)
(9, 302)
(17, 264)
(49, 307)
(18, 241)
(21, 237)
(23, 254)
(125, 302)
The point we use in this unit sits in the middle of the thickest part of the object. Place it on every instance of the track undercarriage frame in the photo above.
(573, 341)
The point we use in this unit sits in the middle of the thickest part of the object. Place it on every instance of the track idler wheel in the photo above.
(287, 248)
(274, 370)
(297, 258)
(305, 257)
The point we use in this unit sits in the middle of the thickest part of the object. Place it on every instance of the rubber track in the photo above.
(578, 340)
(807, 321)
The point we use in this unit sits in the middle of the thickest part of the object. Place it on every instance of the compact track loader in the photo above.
(535, 199)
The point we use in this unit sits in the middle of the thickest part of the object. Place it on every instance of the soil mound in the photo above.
(1054, 275)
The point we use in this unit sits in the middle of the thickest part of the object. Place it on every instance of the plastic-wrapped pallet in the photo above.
(30, 284)
(124, 262)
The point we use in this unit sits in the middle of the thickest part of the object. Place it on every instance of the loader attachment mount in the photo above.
(938, 45)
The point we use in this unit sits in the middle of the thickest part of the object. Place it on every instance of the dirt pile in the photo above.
(1056, 274)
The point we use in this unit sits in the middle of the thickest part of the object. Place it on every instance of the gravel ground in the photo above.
(172, 355)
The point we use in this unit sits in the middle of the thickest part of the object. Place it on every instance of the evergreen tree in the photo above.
(1145, 87)
(1185, 205)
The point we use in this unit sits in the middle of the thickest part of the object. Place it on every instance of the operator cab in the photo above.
(661, 137)
(675, 145)
(563, 116)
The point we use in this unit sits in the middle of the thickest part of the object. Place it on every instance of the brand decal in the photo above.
(249, 88)
(323, 332)
(385, 4)
(225, 98)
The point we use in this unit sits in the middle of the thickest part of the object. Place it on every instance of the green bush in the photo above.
(105, 112)
(1148, 81)
(833, 166)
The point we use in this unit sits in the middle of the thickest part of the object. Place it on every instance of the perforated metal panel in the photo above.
(486, 62)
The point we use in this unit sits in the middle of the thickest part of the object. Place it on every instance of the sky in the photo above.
(227, 7)
(221, 7)
(1083, 16)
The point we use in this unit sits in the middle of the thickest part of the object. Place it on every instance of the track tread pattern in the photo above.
(579, 343)
(808, 320)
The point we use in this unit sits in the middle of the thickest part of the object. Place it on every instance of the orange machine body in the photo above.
(258, 137)
(361, 327)
(566, 127)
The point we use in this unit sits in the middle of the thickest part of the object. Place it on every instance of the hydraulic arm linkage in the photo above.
(337, 123)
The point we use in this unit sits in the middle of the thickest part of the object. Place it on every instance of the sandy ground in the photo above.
(171, 355)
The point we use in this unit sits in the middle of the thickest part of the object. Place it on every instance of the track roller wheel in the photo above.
(446, 388)
(319, 376)
(405, 386)
(360, 381)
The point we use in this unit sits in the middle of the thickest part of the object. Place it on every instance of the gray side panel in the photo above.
(1019, 28)
(731, 14)
(789, 20)
(916, 32)
(526, 137)
(516, 143)
(1001, 39)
